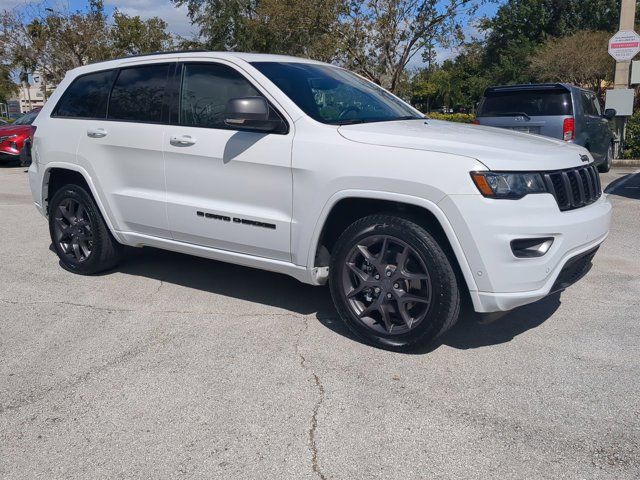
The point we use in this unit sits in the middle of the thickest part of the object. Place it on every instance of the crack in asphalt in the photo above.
(133, 310)
(313, 444)
(120, 359)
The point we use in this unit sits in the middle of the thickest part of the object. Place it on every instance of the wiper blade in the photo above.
(378, 120)
(351, 122)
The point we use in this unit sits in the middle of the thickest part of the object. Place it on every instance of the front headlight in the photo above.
(511, 185)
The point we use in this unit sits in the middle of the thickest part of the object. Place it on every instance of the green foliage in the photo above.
(632, 141)
(520, 26)
(453, 117)
(53, 42)
(134, 36)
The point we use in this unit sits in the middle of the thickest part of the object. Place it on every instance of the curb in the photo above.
(626, 163)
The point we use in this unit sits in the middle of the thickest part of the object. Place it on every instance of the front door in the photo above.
(226, 189)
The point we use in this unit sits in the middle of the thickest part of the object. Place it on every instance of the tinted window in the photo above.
(334, 95)
(590, 104)
(206, 89)
(138, 94)
(87, 96)
(534, 103)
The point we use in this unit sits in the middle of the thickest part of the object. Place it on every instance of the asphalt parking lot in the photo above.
(178, 367)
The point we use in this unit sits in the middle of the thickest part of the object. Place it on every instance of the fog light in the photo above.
(531, 247)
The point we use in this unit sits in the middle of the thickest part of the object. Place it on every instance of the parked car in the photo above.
(306, 169)
(560, 111)
(13, 137)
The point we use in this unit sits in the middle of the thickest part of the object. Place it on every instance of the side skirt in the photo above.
(298, 272)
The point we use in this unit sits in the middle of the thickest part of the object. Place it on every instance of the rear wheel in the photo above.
(79, 234)
(393, 284)
(605, 166)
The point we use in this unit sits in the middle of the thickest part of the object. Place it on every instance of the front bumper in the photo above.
(486, 227)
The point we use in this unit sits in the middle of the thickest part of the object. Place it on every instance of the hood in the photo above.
(496, 148)
(7, 130)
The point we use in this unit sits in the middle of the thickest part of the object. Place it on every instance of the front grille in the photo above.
(574, 188)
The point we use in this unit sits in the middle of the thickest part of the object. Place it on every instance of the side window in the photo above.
(596, 105)
(206, 89)
(138, 94)
(87, 96)
(587, 104)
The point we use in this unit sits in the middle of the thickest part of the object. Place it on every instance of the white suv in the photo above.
(306, 169)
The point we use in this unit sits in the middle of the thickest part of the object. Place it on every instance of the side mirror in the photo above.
(250, 113)
(610, 113)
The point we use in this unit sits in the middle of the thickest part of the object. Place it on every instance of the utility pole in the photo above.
(621, 78)
(627, 22)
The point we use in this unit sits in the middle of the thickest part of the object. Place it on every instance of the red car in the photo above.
(14, 137)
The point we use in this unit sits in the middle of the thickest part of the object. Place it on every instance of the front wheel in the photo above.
(79, 234)
(393, 284)
(605, 166)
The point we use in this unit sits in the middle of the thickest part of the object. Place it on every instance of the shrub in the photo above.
(453, 117)
(632, 142)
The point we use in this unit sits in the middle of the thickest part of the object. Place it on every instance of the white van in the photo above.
(306, 169)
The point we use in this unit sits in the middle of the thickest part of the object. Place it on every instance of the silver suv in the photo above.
(556, 110)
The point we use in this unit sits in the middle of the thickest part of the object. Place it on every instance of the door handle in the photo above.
(182, 140)
(96, 133)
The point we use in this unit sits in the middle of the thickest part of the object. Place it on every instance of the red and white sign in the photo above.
(624, 45)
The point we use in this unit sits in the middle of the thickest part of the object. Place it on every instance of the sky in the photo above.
(177, 17)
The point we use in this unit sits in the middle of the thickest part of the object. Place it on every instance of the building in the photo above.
(33, 96)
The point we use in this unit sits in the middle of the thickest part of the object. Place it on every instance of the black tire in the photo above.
(104, 252)
(438, 316)
(605, 166)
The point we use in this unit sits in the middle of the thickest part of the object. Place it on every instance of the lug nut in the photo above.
(377, 277)
(396, 286)
(377, 290)
(389, 273)
(389, 296)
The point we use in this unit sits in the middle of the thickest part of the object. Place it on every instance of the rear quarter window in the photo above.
(535, 103)
(87, 96)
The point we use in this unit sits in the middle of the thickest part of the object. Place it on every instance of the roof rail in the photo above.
(172, 52)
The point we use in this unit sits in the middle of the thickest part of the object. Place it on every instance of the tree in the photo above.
(294, 27)
(53, 42)
(520, 26)
(134, 36)
(581, 59)
(380, 37)
(377, 38)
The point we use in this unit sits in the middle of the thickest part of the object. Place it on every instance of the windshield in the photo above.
(534, 103)
(26, 119)
(333, 95)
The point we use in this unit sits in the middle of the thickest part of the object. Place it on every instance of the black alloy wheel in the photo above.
(79, 234)
(392, 283)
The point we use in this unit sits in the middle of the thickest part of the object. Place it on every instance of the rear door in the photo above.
(226, 188)
(123, 151)
(540, 111)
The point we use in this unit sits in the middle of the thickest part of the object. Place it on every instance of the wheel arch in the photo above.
(56, 175)
(346, 207)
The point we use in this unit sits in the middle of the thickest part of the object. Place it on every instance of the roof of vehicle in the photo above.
(529, 86)
(186, 54)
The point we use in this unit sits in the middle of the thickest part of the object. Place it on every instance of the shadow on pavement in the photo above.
(287, 293)
(470, 332)
(627, 186)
